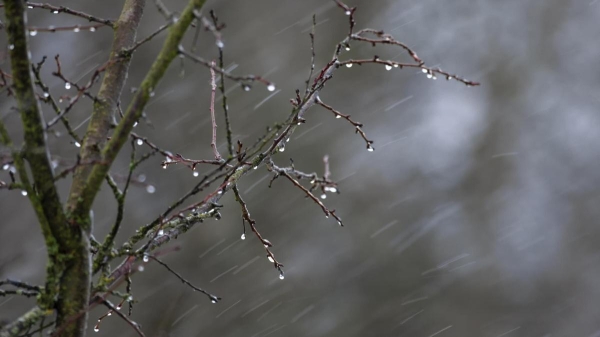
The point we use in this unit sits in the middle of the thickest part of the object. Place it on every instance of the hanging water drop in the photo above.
(33, 32)
(11, 47)
(370, 148)
(323, 196)
(395, 65)
(220, 44)
(243, 237)
(347, 48)
(388, 67)
(67, 85)
(161, 232)
(46, 95)
(140, 268)
(338, 116)
(213, 301)
(270, 259)
(195, 174)
(281, 277)
(5, 167)
(145, 258)
(348, 65)
(271, 87)
(77, 144)
(76, 29)
(96, 328)
(246, 87)
(429, 75)
(348, 12)
(255, 168)
(92, 29)
(140, 142)
(282, 148)
(24, 193)
(55, 11)
(150, 189)
(135, 124)
(425, 71)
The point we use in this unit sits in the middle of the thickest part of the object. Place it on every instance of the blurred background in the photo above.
(476, 215)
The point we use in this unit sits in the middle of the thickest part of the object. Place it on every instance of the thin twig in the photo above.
(213, 86)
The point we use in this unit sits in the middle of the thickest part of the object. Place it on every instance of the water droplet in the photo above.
(395, 65)
(150, 189)
(348, 12)
(339, 223)
(145, 258)
(55, 11)
(46, 95)
(282, 148)
(246, 87)
(152, 93)
(77, 144)
(109, 313)
(448, 78)
(161, 232)
(270, 259)
(141, 178)
(429, 75)
(331, 189)
(140, 268)
(140, 142)
(347, 48)
(348, 65)
(281, 277)
(92, 29)
(271, 87)
(425, 71)
(11, 47)
(370, 148)
(30, 7)
(195, 174)
(135, 124)
(33, 32)
(220, 44)
(24, 193)
(388, 67)
(96, 328)
(255, 168)
(5, 167)
(323, 196)
(326, 216)
(243, 237)
(67, 85)
(338, 116)
(213, 301)
(76, 29)
(164, 166)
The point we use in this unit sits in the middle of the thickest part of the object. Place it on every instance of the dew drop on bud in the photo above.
(270, 258)
(323, 196)
(67, 85)
(76, 29)
(271, 87)
(140, 142)
(77, 144)
(348, 65)
(195, 174)
(32, 32)
(388, 67)
(145, 258)
(24, 193)
(150, 189)
(243, 237)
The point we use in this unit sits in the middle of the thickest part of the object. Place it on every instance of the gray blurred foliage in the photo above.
(477, 214)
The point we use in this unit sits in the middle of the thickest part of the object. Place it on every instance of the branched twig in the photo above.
(358, 126)
(116, 310)
(62, 9)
